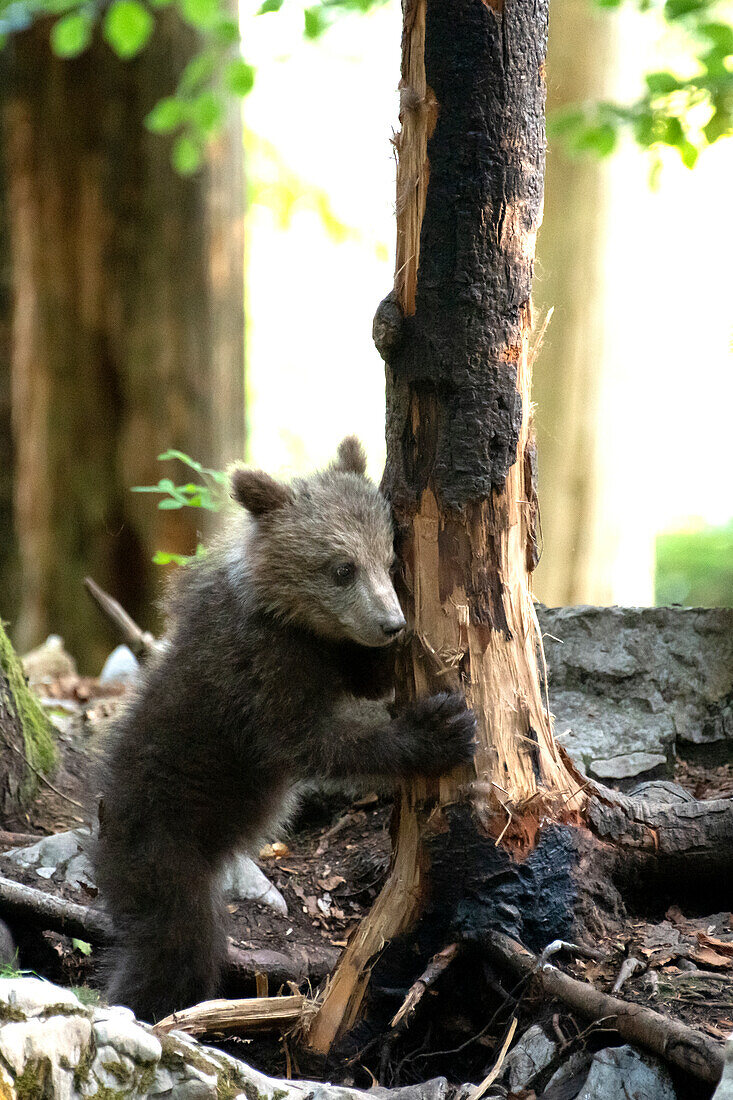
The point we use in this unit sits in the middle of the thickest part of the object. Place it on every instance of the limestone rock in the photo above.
(527, 1058)
(627, 683)
(121, 667)
(62, 853)
(622, 1073)
(244, 881)
(52, 1046)
(48, 662)
(724, 1090)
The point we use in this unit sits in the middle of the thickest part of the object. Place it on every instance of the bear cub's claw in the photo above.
(447, 731)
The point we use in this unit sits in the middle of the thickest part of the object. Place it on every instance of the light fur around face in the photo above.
(320, 555)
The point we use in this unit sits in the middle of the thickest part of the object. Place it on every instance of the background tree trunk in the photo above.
(460, 461)
(567, 380)
(26, 740)
(127, 324)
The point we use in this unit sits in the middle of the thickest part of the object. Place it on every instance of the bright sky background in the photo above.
(329, 109)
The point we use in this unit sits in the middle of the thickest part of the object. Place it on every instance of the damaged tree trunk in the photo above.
(460, 456)
(506, 846)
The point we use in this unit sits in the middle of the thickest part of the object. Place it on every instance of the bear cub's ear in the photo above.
(350, 456)
(257, 491)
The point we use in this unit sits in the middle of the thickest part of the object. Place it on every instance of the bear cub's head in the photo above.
(320, 549)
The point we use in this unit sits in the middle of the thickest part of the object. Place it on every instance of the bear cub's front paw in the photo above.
(447, 732)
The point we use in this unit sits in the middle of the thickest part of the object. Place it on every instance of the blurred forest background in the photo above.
(195, 230)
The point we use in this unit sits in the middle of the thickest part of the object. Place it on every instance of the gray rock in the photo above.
(530, 1056)
(628, 681)
(627, 766)
(64, 853)
(724, 1090)
(68, 1052)
(622, 1073)
(121, 667)
(244, 881)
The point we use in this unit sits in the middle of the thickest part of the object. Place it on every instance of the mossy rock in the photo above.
(27, 747)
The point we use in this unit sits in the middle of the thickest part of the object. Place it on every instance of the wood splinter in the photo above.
(237, 1016)
(437, 966)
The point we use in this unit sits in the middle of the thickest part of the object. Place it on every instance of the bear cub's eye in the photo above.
(344, 573)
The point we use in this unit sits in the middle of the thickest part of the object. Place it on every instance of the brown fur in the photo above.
(279, 654)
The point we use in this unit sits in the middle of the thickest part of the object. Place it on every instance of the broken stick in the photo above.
(236, 1017)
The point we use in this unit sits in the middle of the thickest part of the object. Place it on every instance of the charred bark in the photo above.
(516, 845)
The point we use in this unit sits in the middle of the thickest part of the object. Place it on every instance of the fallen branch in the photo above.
(236, 1017)
(18, 840)
(301, 964)
(676, 1042)
(142, 643)
(46, 911)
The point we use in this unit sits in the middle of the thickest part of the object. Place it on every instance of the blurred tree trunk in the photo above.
(570, 368)
(127, 329)
(8, 547)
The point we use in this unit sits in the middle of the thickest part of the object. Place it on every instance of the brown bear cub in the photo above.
(278, 655)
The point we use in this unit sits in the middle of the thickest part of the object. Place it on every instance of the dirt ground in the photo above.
(330, 869)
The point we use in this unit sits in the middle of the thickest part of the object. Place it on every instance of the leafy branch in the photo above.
(194, 112)
(687, 113)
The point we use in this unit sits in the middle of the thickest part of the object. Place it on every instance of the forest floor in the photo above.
(330, 869)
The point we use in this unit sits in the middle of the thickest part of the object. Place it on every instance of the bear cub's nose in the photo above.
(392, 627)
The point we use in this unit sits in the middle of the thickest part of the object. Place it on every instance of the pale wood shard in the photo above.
(237, 1017)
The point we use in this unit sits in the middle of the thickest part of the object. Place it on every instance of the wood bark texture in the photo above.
(460, 456)
(127, 326)
(27, 750)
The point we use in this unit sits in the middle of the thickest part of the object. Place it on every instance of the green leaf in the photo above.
(184, 458)
(127, 27)
(598, 139)
(167, 115)
(239, 77)
(227, 32)
(187, 156)
(207, 112)
(645, 129)
(169, 505)
(721, 35)
(675, 9)
(315, 22)
(82, 946)
(719, 125)
(197, 72)
(672, 132)
(689, 153)
(661, 83)
(71, 34)
(270, 5)
(203, 14)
